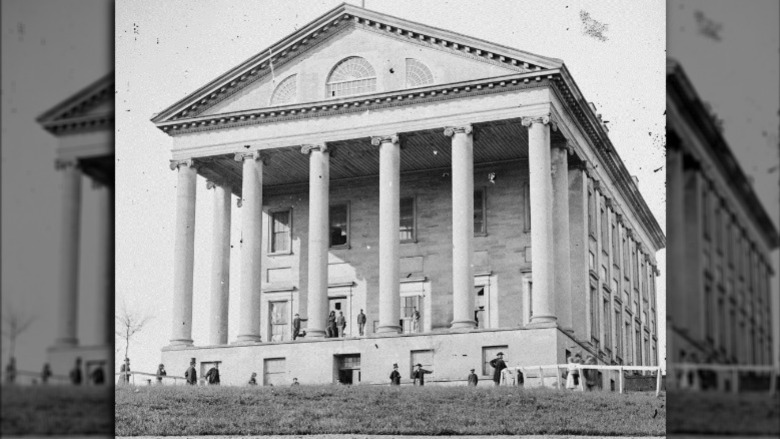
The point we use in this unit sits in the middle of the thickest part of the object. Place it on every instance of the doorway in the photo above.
(347, 369)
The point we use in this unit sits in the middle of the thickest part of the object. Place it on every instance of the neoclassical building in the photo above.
(392, 167)
(719, 294)
(83, 126)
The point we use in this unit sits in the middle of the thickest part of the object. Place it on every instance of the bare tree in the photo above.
(129, 323)
(15, 322)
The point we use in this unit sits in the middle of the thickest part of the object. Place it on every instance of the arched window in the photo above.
(285, 92)
(351, 76)
(417, 74)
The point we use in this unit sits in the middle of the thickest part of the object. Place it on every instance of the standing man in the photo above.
(361, 321)
(10, 371)
(161, 373)
(296, 326)
(75, 373)
(341, 323)
(395, 376)
(419, 375)
(498, 366)
(473, 379)
(124, 376)
(45, 373)
(191, 375)
(416, 321)
(295, 382)
(98, 376)
(212, 376)
(253, 379)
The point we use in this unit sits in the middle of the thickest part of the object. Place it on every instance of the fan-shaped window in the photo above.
(285, 92)
(417, 74)
(352, 76)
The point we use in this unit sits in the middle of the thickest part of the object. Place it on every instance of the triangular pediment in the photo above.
(307, 57)
(90, 107)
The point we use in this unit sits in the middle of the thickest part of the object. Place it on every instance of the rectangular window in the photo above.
(480, 227)
(629, 349)
(626, 265)
(604, 235)
(614, 286)
(592, 262)
(274, 372)
(604, 278)
(722, 325)
(339, 225)
(615, 244)
(607, 326)
(635, 256)
(489, 353)
(638, 347)
(278, 313)
(618, 335)
(408, 220)
(425, 358)
(708, 315)
(591, 214)
(594, 314)
(281, 235)
(705, 214)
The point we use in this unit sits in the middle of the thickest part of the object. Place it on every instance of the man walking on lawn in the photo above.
(419, 375)
(191, 376)
(395, 376)
(212, 376)
(498, 366)
(473, 379)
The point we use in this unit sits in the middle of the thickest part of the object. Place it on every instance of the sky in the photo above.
(731, 53)
(50, 50)
(160, 60)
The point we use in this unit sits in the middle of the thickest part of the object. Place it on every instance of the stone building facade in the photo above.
(387, 166)
(719, 294)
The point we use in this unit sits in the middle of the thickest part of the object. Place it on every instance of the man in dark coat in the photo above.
(395, 376)
(341, 324)
(296, 326)
(473, 379)
(361, 321)
(498, 365)
(212, 376)
(191, 375)
(45, 373)
(161, 373)
(75, 373)
(419, 375)
(98, 376)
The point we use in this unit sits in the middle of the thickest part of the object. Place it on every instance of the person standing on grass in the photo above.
(295, 382)
(10, 371)
(75, 373)
(212, 376)
(571, 369)
(395, 376)
(161, 373)
(419, 375)
(191, 375)
(577, 360)
(361, 321)
(98, 376)
(498, 366)
(473, 379)
(296, 326)
(124, 373)
(253, 379)
(45, 373)
(341, 323)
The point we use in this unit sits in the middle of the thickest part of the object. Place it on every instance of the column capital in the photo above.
(186, 162)
(378, 140)
(306, 149)
(464, 129)
(211, 184)
(620, 219)
(247, 155)
(565, 145)
(545, 119)
(609, 202)
(61, 164)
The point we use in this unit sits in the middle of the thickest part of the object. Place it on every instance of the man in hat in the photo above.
(75, 373)
(253, 379)
(161, 373)
(295, 382)
(395, 376)
(361, 321)
(296, 326)
(212, 376)
(341, 324)
(191, 375)
(473, 379)
(419, 375)
(498, 366)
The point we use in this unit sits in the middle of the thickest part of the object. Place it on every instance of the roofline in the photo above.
(680, 89)
(50, 114)
(246, 66)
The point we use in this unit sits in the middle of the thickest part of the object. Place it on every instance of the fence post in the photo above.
(558, 376)
(658, 382)
(620, 380)
(582, 378)
(735, 379)
(541, 376)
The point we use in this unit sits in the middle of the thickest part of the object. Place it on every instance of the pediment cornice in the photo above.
(91, 108)
(343, 17)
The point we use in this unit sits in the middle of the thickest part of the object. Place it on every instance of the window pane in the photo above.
(280, 231)
(479, 211)
(407, 219)
(338, 225)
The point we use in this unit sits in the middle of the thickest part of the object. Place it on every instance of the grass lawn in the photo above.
(56, 410)
(428, 410)
(724, 413)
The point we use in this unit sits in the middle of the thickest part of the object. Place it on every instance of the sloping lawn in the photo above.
(755, 413)
(167, 411)
(57, 410)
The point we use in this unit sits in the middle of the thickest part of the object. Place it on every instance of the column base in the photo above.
(543, 322)
(66, 342)
(248, 339)
(315, 333)
(388, 329)
(181, 342)
(463, 324)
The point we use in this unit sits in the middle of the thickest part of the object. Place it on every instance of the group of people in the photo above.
(97, 376)
(335, 328)
(418, 374)
(572, 373)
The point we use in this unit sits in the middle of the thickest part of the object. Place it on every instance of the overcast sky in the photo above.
(166, 50)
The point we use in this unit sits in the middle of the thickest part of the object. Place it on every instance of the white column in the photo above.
(560, 182)
(675, 220)
(184, 252)
(69, 253)
(104, 302)
(251, 247)
(542, 242)
(389, 235)
(462, 226)
(319, 238)
(220, 264)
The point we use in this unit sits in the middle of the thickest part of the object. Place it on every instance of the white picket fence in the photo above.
(684, 380)
(152, 378)
(509, 371)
